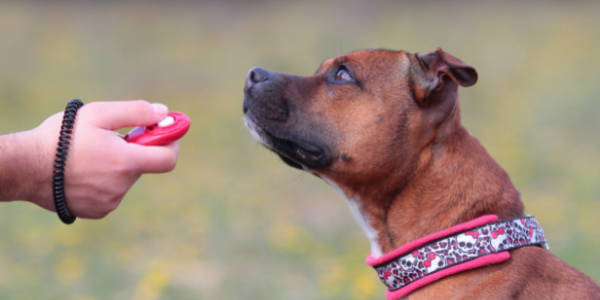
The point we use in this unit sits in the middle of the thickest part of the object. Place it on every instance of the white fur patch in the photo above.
(255, 131)
(355, 207)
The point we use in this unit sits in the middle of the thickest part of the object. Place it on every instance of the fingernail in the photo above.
(160, 109)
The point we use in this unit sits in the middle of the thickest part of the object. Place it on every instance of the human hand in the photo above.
(100, 166)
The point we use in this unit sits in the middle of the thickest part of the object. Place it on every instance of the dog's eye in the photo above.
(343, 74)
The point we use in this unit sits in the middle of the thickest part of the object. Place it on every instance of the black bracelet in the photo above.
(58, 180)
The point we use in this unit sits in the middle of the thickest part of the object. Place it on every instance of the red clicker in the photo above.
(170, 129)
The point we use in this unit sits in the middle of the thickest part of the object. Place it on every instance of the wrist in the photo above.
(40, 165)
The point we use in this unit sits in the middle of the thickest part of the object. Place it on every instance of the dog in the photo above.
(383, 127)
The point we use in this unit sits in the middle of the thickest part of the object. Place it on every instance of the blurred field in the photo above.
(232, 221)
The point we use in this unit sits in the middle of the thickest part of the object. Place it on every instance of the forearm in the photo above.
(100, 166)
(25, 167)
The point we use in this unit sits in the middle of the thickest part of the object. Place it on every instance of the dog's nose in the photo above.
(257, 75)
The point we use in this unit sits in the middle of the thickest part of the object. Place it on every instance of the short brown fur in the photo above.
(400, 148)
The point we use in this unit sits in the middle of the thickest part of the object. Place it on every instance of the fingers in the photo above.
(154, 159)
(120, 114)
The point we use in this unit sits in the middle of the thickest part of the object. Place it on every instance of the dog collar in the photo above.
(480, 242)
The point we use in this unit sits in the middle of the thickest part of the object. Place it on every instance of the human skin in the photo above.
(101, 166)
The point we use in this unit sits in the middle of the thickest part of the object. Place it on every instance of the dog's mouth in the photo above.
(294, 151)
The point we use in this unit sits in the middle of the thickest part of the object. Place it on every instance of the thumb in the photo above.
(112, 115)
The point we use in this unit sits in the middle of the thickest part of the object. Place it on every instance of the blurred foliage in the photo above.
(232, 221)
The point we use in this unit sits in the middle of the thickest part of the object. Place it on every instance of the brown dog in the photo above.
(383, 127)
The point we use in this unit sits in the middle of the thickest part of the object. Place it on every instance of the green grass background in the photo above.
(232, 221)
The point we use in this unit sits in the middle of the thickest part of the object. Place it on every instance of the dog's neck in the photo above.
(455, 181)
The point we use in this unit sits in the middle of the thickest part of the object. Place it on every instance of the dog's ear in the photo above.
(432, 73)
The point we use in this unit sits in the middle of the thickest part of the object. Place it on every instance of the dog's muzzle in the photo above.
(268, 116)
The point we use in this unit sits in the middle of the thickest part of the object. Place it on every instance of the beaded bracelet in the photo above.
(58, 180)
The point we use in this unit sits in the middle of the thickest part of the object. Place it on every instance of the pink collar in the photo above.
(480, 242)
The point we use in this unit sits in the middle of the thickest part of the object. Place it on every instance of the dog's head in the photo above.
(362, 114)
